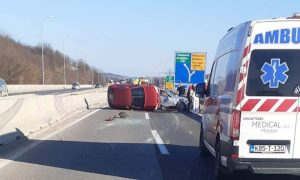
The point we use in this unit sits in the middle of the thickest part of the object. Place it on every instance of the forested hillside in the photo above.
(22, 64)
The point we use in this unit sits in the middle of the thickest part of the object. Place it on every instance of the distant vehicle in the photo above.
(169, 99)
(98, 85)
(251, 114)
(3, 88)
(76, 86)
(123, 96)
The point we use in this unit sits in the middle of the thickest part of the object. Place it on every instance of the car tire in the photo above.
(180, 106)
(219, 171)
(202, 148)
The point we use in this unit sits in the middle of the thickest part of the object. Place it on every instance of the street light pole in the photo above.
(77, 70)
(84, 72)
(65, 78)
(65, 73)
(43, 63)
(92, 75)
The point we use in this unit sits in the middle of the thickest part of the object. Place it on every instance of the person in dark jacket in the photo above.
(188, 96)
(181, 90)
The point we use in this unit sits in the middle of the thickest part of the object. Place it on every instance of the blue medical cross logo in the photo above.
(274, 73)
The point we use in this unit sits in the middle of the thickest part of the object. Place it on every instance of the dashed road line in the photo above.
(147, 116)
(161, 146)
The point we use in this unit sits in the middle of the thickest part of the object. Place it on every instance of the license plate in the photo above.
(267, 148)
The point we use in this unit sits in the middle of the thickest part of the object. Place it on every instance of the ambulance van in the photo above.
(251, 118)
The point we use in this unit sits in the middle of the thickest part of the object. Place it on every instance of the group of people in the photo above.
(191, 93)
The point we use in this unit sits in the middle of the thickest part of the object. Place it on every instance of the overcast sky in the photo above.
(133, 37)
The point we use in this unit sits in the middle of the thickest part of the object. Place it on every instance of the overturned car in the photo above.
(124, 96)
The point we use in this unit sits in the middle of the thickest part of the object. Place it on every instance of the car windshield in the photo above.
(273, 73)
(138, 97)
(171, 94)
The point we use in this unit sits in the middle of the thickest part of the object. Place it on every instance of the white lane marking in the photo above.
(147, 115)
(5, 161)
(162, 148)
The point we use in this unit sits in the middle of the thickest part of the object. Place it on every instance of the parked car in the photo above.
(76, 86)
(169, 100)
(3, 88)
(98, 85)
(123, 96)
(251, 114)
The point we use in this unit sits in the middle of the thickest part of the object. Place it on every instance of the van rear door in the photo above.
(269, 108)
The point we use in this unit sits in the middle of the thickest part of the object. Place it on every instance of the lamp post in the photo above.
(65, 76)
(43, 63)
(92, 75)
(77, 70)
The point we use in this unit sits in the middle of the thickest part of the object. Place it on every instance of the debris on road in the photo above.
(120, 115)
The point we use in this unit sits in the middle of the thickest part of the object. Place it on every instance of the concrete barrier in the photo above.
(27, 115)
(36, 88)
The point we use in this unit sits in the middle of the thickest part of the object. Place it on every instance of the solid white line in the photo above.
(147, 115)
(162, 148)
(5, 161)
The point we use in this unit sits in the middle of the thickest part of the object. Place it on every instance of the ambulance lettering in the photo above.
(281, 36)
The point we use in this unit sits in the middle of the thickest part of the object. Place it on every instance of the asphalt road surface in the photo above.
(51, 92)
(154, 145)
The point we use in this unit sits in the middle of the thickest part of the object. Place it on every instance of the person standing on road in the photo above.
(181, 90)
(188, 96)
(191, 97)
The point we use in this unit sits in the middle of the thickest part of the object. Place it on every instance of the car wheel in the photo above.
(180, 106)
(219, 171)
(203, 149)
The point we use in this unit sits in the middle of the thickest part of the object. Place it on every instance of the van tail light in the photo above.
(234, 156)
(235, 125)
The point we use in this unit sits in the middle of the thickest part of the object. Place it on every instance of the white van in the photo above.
(251, 118)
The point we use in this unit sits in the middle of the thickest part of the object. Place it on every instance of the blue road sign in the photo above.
(189, 67)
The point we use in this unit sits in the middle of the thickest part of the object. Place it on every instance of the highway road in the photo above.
(51, 92)
(145, 145)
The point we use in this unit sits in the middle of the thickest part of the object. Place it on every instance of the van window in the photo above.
(232, 69)
(225, 74)
(211, 87)
(273, 73)
(234, 40)
(220, 75)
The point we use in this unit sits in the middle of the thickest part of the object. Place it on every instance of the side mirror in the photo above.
(200, 89)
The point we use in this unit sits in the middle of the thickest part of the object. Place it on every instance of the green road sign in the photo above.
(183, 58)
(169, 79)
